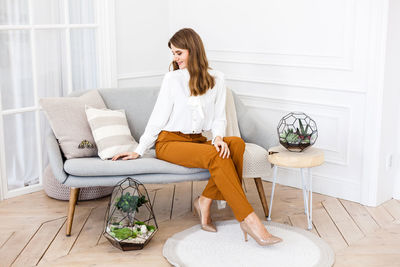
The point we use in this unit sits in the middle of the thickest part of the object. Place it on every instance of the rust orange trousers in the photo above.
(194, 151)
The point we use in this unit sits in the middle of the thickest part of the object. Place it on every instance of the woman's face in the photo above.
(180, 56)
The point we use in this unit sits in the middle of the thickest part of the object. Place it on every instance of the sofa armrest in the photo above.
(56, 158)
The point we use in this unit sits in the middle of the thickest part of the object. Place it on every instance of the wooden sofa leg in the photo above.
(261, 194)
(73, 198)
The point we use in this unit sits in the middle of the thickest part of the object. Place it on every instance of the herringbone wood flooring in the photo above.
(32, 227)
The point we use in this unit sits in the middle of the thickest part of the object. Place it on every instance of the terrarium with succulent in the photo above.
(128, 227)
(297, 131)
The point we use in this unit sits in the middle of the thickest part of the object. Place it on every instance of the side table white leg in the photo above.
(273, 191)
(304, 187)
(310, 193)
(304, 182)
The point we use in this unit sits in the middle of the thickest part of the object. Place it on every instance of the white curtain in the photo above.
(16, 76)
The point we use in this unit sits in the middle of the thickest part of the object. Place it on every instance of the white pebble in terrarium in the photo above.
(143, 229)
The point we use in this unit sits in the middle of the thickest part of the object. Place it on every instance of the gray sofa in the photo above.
(138, 104)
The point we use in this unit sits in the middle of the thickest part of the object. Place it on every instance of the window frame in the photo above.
(106, 69)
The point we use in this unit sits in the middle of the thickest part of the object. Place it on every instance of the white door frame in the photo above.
(373, 106)
(396, 162)
(3, 179)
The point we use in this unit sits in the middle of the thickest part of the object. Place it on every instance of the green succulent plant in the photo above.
(130, 204)
(292, 137)
(289, 136)
(285, 133)
(303, 131)
(123, 233)
(300, 135)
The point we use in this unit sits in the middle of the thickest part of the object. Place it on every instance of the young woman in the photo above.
(192, 100)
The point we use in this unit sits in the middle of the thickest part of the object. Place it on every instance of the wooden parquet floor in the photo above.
(32, 227)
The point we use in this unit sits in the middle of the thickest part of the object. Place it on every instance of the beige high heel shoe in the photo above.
(206, 227)
(262, 242)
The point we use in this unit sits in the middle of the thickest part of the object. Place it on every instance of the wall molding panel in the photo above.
(290, 84)
(138, 75)
(140, 79)
(288, 63)
(284, 60)
(336, 152)
(338, 54)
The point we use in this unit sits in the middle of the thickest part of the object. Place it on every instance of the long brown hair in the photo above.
(197, 65)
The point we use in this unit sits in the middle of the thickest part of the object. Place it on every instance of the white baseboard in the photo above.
(331, 186)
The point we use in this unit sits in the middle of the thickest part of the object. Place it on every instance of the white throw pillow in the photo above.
(66, 116)
(110, 131)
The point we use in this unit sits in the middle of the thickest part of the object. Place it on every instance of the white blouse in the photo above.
(176, 110)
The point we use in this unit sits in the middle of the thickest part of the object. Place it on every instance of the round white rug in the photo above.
(195, 247)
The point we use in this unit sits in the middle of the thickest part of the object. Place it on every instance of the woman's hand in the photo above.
(221, 147)
(126, 156)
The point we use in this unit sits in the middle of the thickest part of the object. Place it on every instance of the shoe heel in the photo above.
(197, 212)
(245, 236)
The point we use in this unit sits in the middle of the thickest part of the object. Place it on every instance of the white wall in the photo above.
(325, 58)
(141, 42)
(297, 55)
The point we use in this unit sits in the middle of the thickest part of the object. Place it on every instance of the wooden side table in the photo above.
(311, 157)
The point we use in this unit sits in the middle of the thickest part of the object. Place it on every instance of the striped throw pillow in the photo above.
(110, 131)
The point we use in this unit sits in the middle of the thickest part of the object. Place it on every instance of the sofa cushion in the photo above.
(68, 120)
(110, 131)
(147, 164)
(157, 178)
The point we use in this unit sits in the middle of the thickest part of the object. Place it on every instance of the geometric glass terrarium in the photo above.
(130, 222)
(297, 131)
